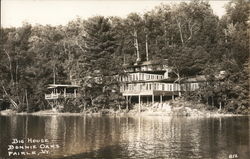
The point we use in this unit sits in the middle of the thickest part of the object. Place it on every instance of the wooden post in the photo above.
(161, 99)
(153, 100)
(64, 92)
(139, 98)
(147, 100)
(172, 97)
(126, 102)
(75, 92)
(179, 93)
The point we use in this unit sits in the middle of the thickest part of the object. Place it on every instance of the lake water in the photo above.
(78, 137)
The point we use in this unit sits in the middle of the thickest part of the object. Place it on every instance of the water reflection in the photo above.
(127, 137)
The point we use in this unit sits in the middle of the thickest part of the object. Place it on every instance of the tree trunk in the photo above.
(180, 31)
(16, 72)
(212, 101)
(166, 42)
(136, 46)
(11, 100)
(54, 74)
(190, 27)
(147, 47)
(124, 59)
(179, 82)
(27, 102)
(92, 102)
(10, 67)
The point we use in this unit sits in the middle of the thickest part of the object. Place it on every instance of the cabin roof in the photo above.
(50, 86)
(148, 63)
(200, 78)
(144, 63)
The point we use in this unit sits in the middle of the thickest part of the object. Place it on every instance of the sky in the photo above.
(60, 12)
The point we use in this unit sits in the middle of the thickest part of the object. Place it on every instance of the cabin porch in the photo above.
(58, 91)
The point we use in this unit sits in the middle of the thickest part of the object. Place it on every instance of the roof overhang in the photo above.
(51, 86)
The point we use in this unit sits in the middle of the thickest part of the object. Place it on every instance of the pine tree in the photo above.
(100, 46)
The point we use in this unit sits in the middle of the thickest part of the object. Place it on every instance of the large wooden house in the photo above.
(150, 82)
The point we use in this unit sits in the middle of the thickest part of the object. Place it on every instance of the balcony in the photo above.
(141, 77)
(170, 87)
(61, 95)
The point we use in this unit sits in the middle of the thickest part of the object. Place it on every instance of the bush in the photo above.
(70, 105)
(4, 104)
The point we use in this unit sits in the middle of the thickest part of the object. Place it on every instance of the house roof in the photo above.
(144, 63)
(147, 63)
(50, 86)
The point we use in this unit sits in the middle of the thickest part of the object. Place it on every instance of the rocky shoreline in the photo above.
(179, 108)
(171, 108)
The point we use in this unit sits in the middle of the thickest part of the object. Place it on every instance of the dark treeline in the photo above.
(189, 35)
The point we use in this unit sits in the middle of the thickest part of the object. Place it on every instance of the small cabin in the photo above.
(57, 91)
(193, 83)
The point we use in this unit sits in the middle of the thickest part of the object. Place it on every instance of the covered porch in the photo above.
(57, 91)
(148, 97)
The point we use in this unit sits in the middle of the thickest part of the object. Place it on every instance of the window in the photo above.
(154, 86)
(171, 87)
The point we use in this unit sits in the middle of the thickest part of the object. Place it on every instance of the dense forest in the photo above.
(193, 39)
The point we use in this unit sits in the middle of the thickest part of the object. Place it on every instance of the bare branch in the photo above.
(190, 27)
(11, 100)
(10, 65)
(76, 42)
(180, 30)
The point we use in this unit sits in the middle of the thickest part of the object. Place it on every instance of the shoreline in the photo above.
(123, 114)
(176, 108)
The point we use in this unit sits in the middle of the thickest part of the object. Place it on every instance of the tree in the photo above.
(100, 46)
